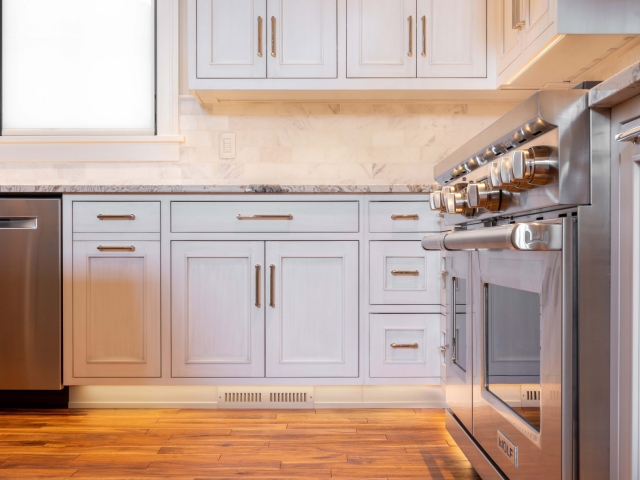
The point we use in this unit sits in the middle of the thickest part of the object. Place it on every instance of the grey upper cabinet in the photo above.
(231, 37)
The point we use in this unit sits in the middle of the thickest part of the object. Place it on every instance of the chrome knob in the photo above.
(506, 174)
(435, 199)
(532, 166)
(494, 175)
(456, 202)
(481, 196)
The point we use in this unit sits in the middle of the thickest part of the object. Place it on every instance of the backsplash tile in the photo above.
(291, 143)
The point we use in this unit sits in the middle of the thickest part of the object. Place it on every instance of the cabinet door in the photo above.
(452, 38)
(539, 16)
(217, 312)
(509, 41)
(116, 309)
(231, 39)
(302, 39)
(381, 38)
(312, 316)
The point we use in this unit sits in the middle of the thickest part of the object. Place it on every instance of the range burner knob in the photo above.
(495, 178)
(532, 166)
(437, 204)
(480, 196)
(507, 177)
(456, 202)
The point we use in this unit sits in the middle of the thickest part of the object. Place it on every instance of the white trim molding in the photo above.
(117, 146)
(152, 396)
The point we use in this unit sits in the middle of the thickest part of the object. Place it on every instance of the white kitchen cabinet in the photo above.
(312, 309)
(452, 38)
(302, 39)
(116, 309)
(381, 38)
(403, 345)
(538, 15)
(509, 40)
(217, 309)
(231, 39)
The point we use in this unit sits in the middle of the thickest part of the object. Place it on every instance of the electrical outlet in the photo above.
(227, 145)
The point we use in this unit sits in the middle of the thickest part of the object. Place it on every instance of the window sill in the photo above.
(164, 148)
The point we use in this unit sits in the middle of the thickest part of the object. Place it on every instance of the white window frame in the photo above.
(162, 147)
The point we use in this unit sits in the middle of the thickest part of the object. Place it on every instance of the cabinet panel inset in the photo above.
(217, 313)
(312, 317)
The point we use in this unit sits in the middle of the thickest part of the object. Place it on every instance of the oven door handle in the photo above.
(518, 236)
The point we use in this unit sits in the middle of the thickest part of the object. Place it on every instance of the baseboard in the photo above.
(207, 397)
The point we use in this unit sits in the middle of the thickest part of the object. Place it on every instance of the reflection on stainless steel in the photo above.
(520, 236)
(533, 255)
(30, 294)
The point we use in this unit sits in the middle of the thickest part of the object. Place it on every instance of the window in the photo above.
(75, 67)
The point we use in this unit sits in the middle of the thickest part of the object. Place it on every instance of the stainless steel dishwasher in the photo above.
(30, 294)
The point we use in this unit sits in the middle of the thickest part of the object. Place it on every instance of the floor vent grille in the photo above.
(265, 397)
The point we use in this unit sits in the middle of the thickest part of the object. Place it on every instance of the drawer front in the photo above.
(272, 217)
(116, 217)
(403, 273)
(404, 345)
(402, 217)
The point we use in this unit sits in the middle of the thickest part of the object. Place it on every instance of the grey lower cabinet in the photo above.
(255, 309)
(116, 309)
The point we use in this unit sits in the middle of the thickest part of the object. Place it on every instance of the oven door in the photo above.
(459, 334)
(517, 414)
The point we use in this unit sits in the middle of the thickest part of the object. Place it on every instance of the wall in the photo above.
(290, 143)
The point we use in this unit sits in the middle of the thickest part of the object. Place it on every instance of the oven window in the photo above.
(459, 341)
(512, 329)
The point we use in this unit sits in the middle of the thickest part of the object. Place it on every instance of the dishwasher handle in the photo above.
(18, 223)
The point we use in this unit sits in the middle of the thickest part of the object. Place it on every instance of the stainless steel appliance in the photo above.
(527, 208)
(30, 294)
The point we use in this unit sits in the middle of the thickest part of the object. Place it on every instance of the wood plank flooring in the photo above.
(201, 444)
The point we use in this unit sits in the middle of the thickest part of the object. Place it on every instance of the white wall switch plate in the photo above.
(227, 145)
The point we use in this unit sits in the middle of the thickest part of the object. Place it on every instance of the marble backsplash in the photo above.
(291, 143)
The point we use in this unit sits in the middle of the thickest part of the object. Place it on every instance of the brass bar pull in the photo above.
(424, 36)
(260, 36)
(405, 273)
(410, 52)
(517, 22)
(272, 292)
(258, 285)
(117, 248)
(288, 216)
(118, 216)
(404, 345)
(407, 216)
(273, 36)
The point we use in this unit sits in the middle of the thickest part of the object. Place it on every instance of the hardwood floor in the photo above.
(199, 444)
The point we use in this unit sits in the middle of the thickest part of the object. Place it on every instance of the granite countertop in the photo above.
(417, 188)
(622, 86)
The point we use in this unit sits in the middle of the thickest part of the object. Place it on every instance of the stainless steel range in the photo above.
(526, 206)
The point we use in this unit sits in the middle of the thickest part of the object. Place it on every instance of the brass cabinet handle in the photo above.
(273, 36)
(410, 52)
(404, 345)
(424, 36)
(407, 216)
(258, 285)
(117, 248)
(288, 216)
(443, 348)
(405, 273)
(117, 216)
(260, 36)
(517, 22)
(272, 292)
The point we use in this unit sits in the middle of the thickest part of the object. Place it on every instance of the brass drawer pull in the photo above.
(264, 217)
(424, 36)
(117, 248)
(405, 273)
(118, 216)
(272, 293)
(260, 36)
(405, 216)
(404, 345)
(410, 52)
(258, 285)
(273, 36)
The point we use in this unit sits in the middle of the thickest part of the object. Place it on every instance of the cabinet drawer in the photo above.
(390, 217)
(404, 345)
(120, 217)
(402, 273)
(279, 217)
